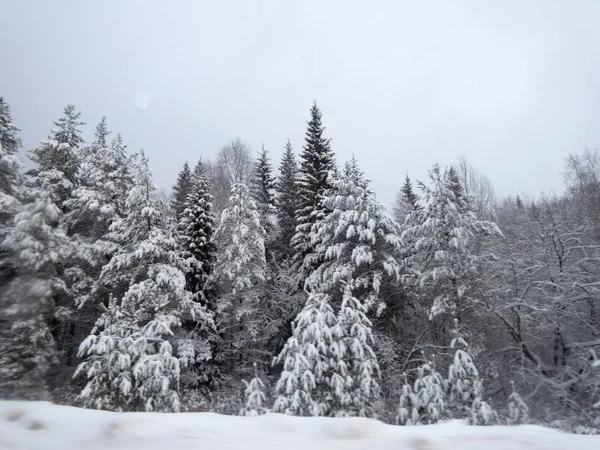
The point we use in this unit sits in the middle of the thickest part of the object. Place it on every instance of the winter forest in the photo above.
(284, 286)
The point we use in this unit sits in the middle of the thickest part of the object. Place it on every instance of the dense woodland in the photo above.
(287, 287)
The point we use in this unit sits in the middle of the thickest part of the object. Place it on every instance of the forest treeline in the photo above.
(251, 288)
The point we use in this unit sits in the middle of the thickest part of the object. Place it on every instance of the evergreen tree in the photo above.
(360, 389)
(196, 229)
(287, 199)
(518, 411)
(10, 164)
(263, 186)
(182, 190)
(317, 164)
(134, 354)
(406, 201)
(430, 391)
(355, 244)
(240, 268)
(441, 237)
(31, 249)
(255, 396)
(57, 157)
(466, 389)
(98, 201)
(241, 259)
(11, 179)
(312, 364)
(408, 407)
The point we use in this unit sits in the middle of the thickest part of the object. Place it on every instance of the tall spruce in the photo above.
(317, 164)
(406, 201)
(11, 178)
(10, 164)
(263, 187)
(182, 190)
(196, 230)
(239, 270)
(287, 199)
(57, 157)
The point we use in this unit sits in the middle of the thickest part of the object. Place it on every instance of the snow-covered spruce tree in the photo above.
(317, 163)
(355, 244)
(359, 362)
(11, 178)
(239, 269)
(430, 391)
(181, 190)
(408, 407)
(312, 363)
(196, 230)
(465, 388)
(406, 201)
(104, 182)
(287, 199)
(31, 249)
(255, 396)
(263, 188)
(441, 236)
(57, 157)
(518, 411)
(136, 350)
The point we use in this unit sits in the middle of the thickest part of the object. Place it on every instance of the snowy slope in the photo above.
(40, 425)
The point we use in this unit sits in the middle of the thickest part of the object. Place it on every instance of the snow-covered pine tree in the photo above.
(287, 199)
(263, 187)
(181, 190)
(312, 363)
(317, 163)
(430, 392)
(355, 395)
(406, 201)
(134, 354)
(239, 269)
(355, 244)
(408, 407)
(255, 396)
(440, 238)
(241, 258)
(31, 249)
(518, 411)
(11, 178)
(465, 388)
(57, 157)
(196, 230)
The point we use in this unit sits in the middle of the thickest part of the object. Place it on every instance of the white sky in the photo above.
(513, 85)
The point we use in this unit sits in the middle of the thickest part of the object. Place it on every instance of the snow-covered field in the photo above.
(40, 425)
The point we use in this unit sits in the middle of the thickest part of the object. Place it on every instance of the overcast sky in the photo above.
(512, 85)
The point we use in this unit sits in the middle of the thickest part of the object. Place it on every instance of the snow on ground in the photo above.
(41, 425)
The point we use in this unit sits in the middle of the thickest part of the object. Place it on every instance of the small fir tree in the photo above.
(408, 407)
(359, 361)
(312, 364)
(518, 411)
(255, 396)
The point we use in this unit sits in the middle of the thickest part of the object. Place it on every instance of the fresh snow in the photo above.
(42, 425)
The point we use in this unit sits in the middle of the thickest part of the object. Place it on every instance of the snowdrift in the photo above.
(41, 425)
